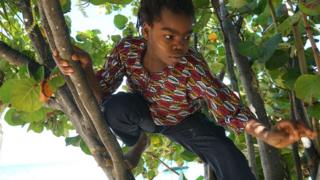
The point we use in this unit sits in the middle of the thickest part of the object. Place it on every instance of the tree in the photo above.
(279, 77)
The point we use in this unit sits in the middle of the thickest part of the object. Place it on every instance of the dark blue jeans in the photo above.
(128, 114)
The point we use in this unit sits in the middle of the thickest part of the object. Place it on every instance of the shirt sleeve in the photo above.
(221, 101)
(111, 76)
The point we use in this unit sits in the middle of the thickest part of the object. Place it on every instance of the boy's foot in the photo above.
(133, 156)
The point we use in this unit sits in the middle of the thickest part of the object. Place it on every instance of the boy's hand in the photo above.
(284, 133)
(79, 55)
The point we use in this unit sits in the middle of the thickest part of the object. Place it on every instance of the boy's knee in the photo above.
(115, 104)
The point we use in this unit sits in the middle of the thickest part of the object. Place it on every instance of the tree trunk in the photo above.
(270, 157)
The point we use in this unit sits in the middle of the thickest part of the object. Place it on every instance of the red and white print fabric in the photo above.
(177, 91)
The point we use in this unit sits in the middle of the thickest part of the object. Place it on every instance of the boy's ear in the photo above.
(145, 30)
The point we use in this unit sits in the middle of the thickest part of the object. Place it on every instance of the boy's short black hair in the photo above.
(150, 10)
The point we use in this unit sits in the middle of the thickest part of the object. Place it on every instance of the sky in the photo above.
(31, 156)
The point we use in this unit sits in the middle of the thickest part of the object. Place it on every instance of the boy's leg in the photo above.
(128, 114)
(209, 142)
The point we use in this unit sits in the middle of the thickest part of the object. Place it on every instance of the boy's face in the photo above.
(168, 37)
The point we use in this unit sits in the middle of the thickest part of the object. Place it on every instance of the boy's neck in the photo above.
(151, 63)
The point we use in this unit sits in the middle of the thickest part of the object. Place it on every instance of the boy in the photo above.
(167, 81)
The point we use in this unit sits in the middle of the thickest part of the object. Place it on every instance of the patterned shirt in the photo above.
(177, 91)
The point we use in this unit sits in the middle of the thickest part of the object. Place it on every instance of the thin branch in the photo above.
(273, 14)
(12, 56)
(315, 50)
(162, 162)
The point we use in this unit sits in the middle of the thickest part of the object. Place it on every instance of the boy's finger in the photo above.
(55, 52)
(63, 63)
(67, 70)
(310, 134)
(75, 57)
(305, 131)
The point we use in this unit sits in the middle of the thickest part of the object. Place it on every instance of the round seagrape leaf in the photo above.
(26, 95)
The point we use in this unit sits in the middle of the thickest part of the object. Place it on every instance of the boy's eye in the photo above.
(187, 37)
(168, 37)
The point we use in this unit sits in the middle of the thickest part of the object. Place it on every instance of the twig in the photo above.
(273, 14)
(298, 42)
(162, 162)
(315, 50)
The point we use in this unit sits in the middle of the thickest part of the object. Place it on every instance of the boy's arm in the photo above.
(226, 107)
(281, 135)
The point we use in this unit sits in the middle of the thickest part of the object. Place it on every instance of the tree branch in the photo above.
(85, 127)
(40, 46)
(60, 33)
(13, 56)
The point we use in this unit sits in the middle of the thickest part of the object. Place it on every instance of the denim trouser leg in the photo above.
(209, 142)
(128, 114)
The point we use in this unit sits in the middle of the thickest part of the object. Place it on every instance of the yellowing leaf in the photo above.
(212, 37)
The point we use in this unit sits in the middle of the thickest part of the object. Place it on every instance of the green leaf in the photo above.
(236, 4)
(311, 8)
(98, 2)
(203, 21)
(201, 3)
(36, 127)
(25, 95)
(65, 5)
(314, 111)
(6, 90)
(122, 2)
(278, 59)
(248, 48)
(216, 67)
(56, 82)
(120, 21)
(188, 156)
(84, 147)
(269, 47)
(13, 118)
(74, 141)
(307, 87)
(200, 178)
(290, 78)
(261, 7)
(285, 27)
(39, 75)
(81, 37)
(248, 8)
(115, 38)
(37, 116)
